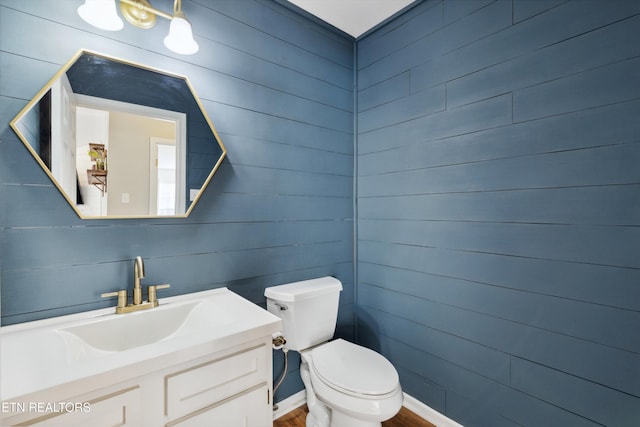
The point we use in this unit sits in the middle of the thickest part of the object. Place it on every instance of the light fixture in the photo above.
(180, 38)
(102, 14)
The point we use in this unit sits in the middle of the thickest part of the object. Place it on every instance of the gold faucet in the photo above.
(138, 274)
(137, 303)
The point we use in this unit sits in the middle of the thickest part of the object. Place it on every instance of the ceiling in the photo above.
(354, 17)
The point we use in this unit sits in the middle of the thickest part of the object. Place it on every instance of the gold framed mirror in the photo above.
(120, 139)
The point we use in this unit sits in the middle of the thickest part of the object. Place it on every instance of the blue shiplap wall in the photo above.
(279, 91)
(498, 208)
(498, 190)
(499, 205)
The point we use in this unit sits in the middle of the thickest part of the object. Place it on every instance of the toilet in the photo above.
(347, 385)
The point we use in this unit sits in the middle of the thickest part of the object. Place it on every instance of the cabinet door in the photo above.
(250, 409)
(117, 409)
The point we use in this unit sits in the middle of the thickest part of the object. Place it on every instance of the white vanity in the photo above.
(198, 359)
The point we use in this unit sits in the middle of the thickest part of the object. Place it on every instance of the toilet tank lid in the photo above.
(304, 289)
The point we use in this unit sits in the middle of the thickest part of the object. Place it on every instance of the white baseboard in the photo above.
(411, 403)
(290, 403)
(428, 413)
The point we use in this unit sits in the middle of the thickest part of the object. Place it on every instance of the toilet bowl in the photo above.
(347, 385)
(359, 386)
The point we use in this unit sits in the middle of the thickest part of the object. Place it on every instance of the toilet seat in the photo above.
(354, 370)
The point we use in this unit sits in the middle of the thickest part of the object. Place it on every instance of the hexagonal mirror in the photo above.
(121, 140)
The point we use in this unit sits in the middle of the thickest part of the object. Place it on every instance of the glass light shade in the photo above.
(101, 14)
(180, 39)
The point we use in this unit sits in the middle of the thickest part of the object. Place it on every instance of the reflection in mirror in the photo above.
(121, 140)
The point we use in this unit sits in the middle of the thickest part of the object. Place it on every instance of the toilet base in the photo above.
(340, 419)
(334, 418)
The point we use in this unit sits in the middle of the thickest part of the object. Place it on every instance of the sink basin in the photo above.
(124, 332)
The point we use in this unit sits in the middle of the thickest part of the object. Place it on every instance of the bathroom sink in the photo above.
(108, 347)
(124, 332)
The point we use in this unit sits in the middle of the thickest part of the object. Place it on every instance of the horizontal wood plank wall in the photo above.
(499, 208)
(279, 90)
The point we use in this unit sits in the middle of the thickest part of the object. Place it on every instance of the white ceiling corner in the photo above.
(354, 17)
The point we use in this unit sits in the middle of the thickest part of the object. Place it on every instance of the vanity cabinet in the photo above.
(224, 388)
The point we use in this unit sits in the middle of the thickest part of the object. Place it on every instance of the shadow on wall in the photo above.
(368, 331)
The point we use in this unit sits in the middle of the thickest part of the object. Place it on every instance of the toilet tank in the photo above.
(308, 309)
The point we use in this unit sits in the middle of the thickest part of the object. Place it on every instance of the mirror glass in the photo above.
(121, 140)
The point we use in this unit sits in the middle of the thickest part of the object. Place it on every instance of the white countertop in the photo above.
(39, 355)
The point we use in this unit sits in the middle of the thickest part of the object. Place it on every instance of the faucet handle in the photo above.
(151, 292)
(121, 294)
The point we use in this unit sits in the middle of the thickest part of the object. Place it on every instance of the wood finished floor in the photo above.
(405, 418)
